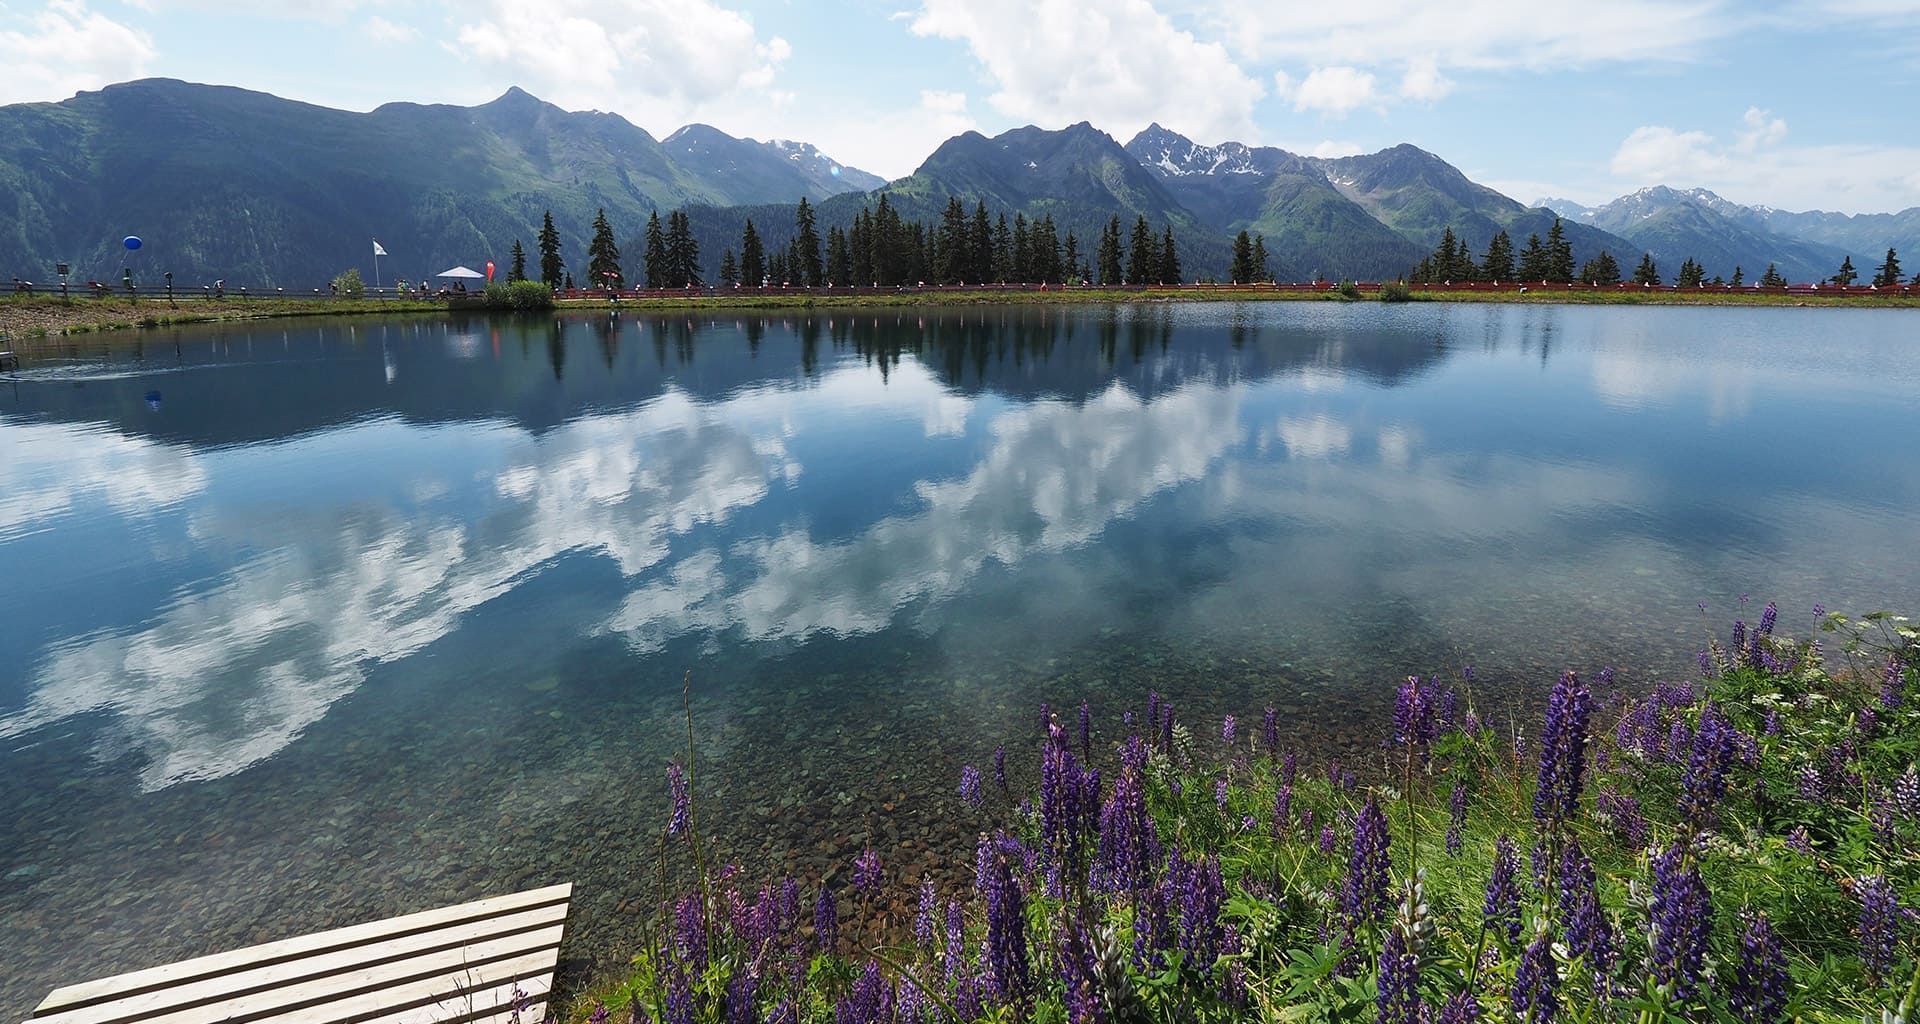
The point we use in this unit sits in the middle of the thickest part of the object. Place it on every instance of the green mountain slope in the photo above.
(227, 183)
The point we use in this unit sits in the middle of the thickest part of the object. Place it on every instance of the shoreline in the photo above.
(35, 317)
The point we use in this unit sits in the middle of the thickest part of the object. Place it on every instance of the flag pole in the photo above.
(376, 264)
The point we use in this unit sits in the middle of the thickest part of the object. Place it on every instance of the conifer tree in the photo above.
(729, 269)
(1559, 254)
(683, 253)
(1498, 263)
(1772, 278)
(551, 266)
(517, 269)
(1847, 275)
(777, 268)
(753, 258)
(1691, 274)
(603, 255)
(1046, 251)
(1002, 251)
(1259, 263)
(1022, 261)
(953, 263)
(1648, 272)
(1108, 258)
(1169, 259)
(1240, 271)
(806, 243)
(1739, 276)
(839, 260)
(980, 242)
(884, 242)
(1071, 257)
(1534, 262)
(1143, 258)
(860, 249)
(656, 252)
(1888, 275)
(1602, 270)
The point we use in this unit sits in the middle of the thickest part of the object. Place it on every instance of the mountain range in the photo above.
(224, 182)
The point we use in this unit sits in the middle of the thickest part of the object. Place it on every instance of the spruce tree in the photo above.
(1534, 263)
(1692, 274)
(1498, 263)
(1108, 257)
(883, 240)
(1739, 276)
(1648, 272)
(1559, 254)
(1241, 269)
(806, 243)
(656, 252)
(517, 269)
(1022, 261)
(1259, 265)
(1888, 275)
(753, 257)
(1847, 275)
(1772, 278)
(860, 249)
(683, 253)
(1169, 259)
(1001, 268)
(980, 245)
(603, 255)
(1602, 270)
(777, 268)
(1143, 259)
(729, 270)
(839, 260)
(1071, 257)
(1448, 258)
(955, 256)
(1046, 251)
(551, 266)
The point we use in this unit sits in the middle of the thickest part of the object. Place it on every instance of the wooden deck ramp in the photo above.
(456, 964)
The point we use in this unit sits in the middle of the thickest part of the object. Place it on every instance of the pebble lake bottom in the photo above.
(314, 622)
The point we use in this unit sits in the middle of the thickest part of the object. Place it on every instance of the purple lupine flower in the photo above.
(1412, 715)
(1283, 811)
(1398, 1001)
(1819, 611)
(1461, 1008)
(682, 804)
(1270, 731)
(1706, 663)
(1006, 925)
(1586, 929)
(1739, 644)
(869, 1002)
(1563, 752)
(970, 785)
(1153, 709)
(1893, 685)
(1457, 810)
(909, 1003)
(1327, 841)
(1199, 891)
(1364, 896)
(1906, 794)
(1705, 781)
(1535, 981)
(680, 999)
(1069, 808)
(1623, 813)
(1289, 768)
(1772, 727)
(690, 933)
(600, 1014)
(1228, 729)
(1882, 920)
(1129, 844)
(1681, 922)
(867, 873)
(1079, 975)
(1220, 794)
(1799, 840)
(1501, 910)
(956, 949)
(923, 918)
(1166, 729)
(1000, 767)
(743, 998)
(1537, 860)
(826, 922)
(1758, 994)
(1767, 616)
(1813, 786)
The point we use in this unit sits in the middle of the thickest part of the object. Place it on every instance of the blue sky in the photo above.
(1796, 105)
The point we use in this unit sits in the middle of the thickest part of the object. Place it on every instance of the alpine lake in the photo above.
(306, 623)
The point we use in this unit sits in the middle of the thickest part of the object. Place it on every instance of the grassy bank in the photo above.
(1739, 846)
(41, 316)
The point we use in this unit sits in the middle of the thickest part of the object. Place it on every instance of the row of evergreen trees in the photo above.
(880, 248)
(1888, 276)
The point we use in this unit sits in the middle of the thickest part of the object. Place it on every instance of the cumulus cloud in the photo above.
(1335, 91)
(658, 61)
(1120, 65)
(1755, 164)
(382, 32)
(68, 47)
(1424, 82)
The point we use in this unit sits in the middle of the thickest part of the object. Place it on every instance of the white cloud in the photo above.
(887, 142)
(658, 61)
(388, 33)
(1121, 65)
(1756, 165)
(65, 48)
(1336, 91)
(1424, 82)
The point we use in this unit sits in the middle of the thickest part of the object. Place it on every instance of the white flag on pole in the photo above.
(377, 251)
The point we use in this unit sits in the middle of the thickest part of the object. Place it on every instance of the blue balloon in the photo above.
(131, 242)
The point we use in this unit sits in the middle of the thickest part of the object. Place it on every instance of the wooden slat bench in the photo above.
(456, 964)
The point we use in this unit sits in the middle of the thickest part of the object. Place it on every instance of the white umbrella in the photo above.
(462, 273)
